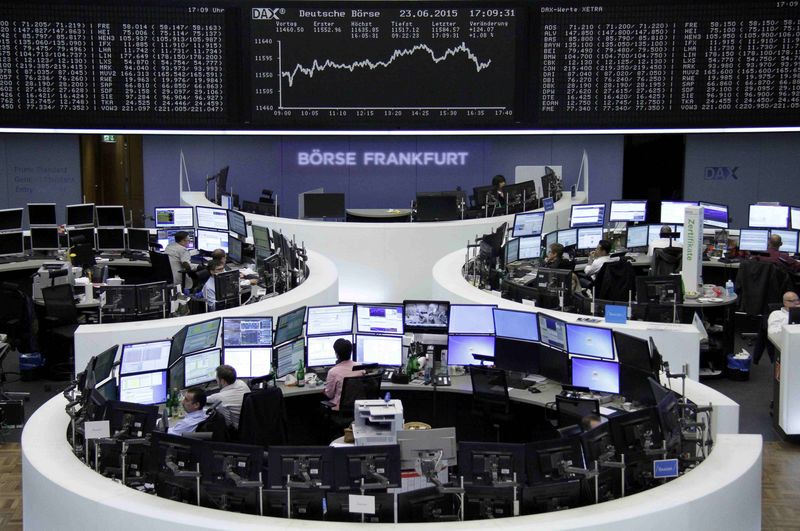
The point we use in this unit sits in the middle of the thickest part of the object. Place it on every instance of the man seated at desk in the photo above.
(209, 290)
(597, 258)
(778, 318)
(664, 240)
(179, 257)
(555, 257)
(776, 256)
(231, 394)
(194, 400)
(343, 369)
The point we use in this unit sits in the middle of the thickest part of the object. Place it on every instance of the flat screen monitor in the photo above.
(554, 364)
(550, 239)
(379, 319)
(568, 237)
(630, 211)
(111, 239)
(41, 214)
(324, 320)
(597, 375)
(633, 351)
(290, 325)
(320, 351)
(138, 239)
(212, 218)
(460, 349)
(144, 388)
(327, 205)
(11, 219)
(552, 332)
(80, 215)
(426, 316)
(590, 341)
(11, 243)
(167, 236)
(512, 251)
(768, 216)
(634, 385)
(249, 362)
(755, 240)
(637, 237)
(261, 237)
(172, 217)
(674, 211)
(110, 216)
(120, 300)
(715, 215)
(143, 357)
(237, 223)
(200, 336)
(471, 319)
(516, 355)
(80, 236)
(288, 355)
(44, 239)
(589, 237)
(247, 332)
(513, 324)
(383, 350)
(654, 231)
(209, 240)
(201, 367)
(664, 290)
(528, 224)
(796, 218)
(593, 215)
(104, 364)
(234, 249)
(788, 239)
(530, 247)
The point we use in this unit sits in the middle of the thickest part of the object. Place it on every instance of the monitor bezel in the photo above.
(638, 201)
(97, 239)
(572, 211)
(357, 354)
(55, 215)
(109, 208)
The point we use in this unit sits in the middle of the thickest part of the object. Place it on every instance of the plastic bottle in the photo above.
(729, 287)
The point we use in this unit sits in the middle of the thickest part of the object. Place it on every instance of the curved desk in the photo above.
(321, 287)
(389, 261)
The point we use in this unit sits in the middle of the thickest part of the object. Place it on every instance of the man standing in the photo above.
(231, 394)
(194, 400)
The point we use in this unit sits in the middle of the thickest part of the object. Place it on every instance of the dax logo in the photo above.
(721, 173)
(267, 13)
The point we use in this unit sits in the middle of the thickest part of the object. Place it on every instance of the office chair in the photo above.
(354, 388)
(17, 317)
(490, 397)
(616, 281)
(215, 425)
(759, 284)
(61, 320)
(571, 410)
(263, 418)
(667, 261)
(161, 270)
(199, 278)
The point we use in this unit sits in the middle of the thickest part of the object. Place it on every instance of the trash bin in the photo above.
(739, 368)
(31, 365)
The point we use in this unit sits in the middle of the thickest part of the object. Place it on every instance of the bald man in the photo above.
(778, 318)
(776, 256)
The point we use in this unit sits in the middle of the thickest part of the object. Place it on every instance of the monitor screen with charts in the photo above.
(41, 214)
(590, 341)
(597, 375)
(768, 217)
(530, 247)
(755, 240)
(552, 332)
(290, 325)
(379, 319)
(568, 237)
(234, 249)
(288, 356)
(110, 216)
(630, 211)
(471, 319)
(320, 350)
(788, 239)
(201, 368)
(247, 331)
(11, 219)
(145, 388)
(212, 218)
(589, 237)
(237, 223)
(460, 349)
(637, 237)
(715, 215)
(587, 215)
(528, 224)
(169, 217)
(78, 215)
(674, 211)
(324, 320)
(249, 362)
(513, 324)
(210, 240)
(383, 350)
(550, 239)
(200, 336)
(512, 251)
(142, 357)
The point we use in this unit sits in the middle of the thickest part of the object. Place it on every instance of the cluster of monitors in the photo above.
(757, 240)
(213, 228)
(635, 211)
(101, 239)
(134, 299)
(44, 215)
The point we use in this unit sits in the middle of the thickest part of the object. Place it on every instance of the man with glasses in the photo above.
(775, 322)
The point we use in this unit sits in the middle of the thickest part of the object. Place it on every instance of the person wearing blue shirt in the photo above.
(209, 290)
(194, 400)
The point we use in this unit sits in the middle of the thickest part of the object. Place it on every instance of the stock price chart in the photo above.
(383, 65)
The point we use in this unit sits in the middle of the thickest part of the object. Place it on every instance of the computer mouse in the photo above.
(533, 390)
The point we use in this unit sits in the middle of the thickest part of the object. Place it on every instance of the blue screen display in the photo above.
(471, 319)
(596, 375)
(461, 348)
(515, 325)
(590, 341)
(553, 332)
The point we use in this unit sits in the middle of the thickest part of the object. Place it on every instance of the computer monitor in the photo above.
(425, 505)
(226, 289)
(212, 218)
(196, 337)
(460, 349)
(144, 387)
(471, 319)
(104, 362)
(629, 211)
(436, 207)
(379, 319)
(788, 239)
(551, 496)
(261, 238)
(81, 236)
(359, 466)
(11, 219)
(42, 214)
(290, 325)
(167, 236)
(755, 240)
(437, 445)
(632, 351)
(512, 251)
(234, 249)
(111, 239)
(674, 211)
(110, 216)
(12, 244)
(386, 351)
(44, 239)
(173, 217)
(177, 374)
(590, 341)
(597, 375)
(288, 355)
(659, 290)
(635, 432)
(768, 216)
(130, 418)
(795, 218)
(237, 223)
(249, 362)
(515, 324)
(151, 297)
(109, 390)
(120, 300)
(552, 331)
(554, 364)
(247, 331)
(80, 215)
(589, 238)
(312, 465)
(209, 240)
(567, 237)
(516, 355)
(670, 422)
(488, 463)
(324, 320)
(146, 356)
(219, 459)
(547, 460)
(320, 351)
(325, 205)
(528, 224)
(530, 247)
(634, 385)
(138, 239)
(637, 237)
(591, 215)
(715, 215)
(201, 367)
(426, 316)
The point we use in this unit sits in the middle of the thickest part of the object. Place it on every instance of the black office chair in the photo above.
(161, 270)
(490, 397)
(354, 388)
(667, 261)
(199, 278)
(61, 320)
(616, 281)
(571, 410)
(17, 317)
(215, 425)
(263, 418)
(758, 285)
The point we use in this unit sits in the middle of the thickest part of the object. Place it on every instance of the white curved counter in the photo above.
(60, 492)
(389, 262)
(321, 287)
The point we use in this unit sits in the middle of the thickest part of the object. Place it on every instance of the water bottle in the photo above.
(729, 288)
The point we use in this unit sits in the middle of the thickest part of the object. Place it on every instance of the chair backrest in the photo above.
(59, 303)
(200, 278)
(16, 317)
(214, 424)
(760, 284)
(616, 281)
(489, 388)
(161, 268)
(667, 261)
(263, 418)
(354, 388)
(572, 410)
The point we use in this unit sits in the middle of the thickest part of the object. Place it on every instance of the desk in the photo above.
(786, 380)
(378, 215)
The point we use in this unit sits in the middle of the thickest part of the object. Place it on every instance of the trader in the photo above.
(598, 257)
(343, 369)
(209, 290)
(497, 193)
(231, 394)
(179, 257)
(776, 256)
(194, 400)
(555, 257)
(219, 254)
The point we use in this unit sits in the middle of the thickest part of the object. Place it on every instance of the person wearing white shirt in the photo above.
(663, 241)
(598, 257)
(194, 400)
(209, 289)
(231, 394)
(778, 318)
(179, 257)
